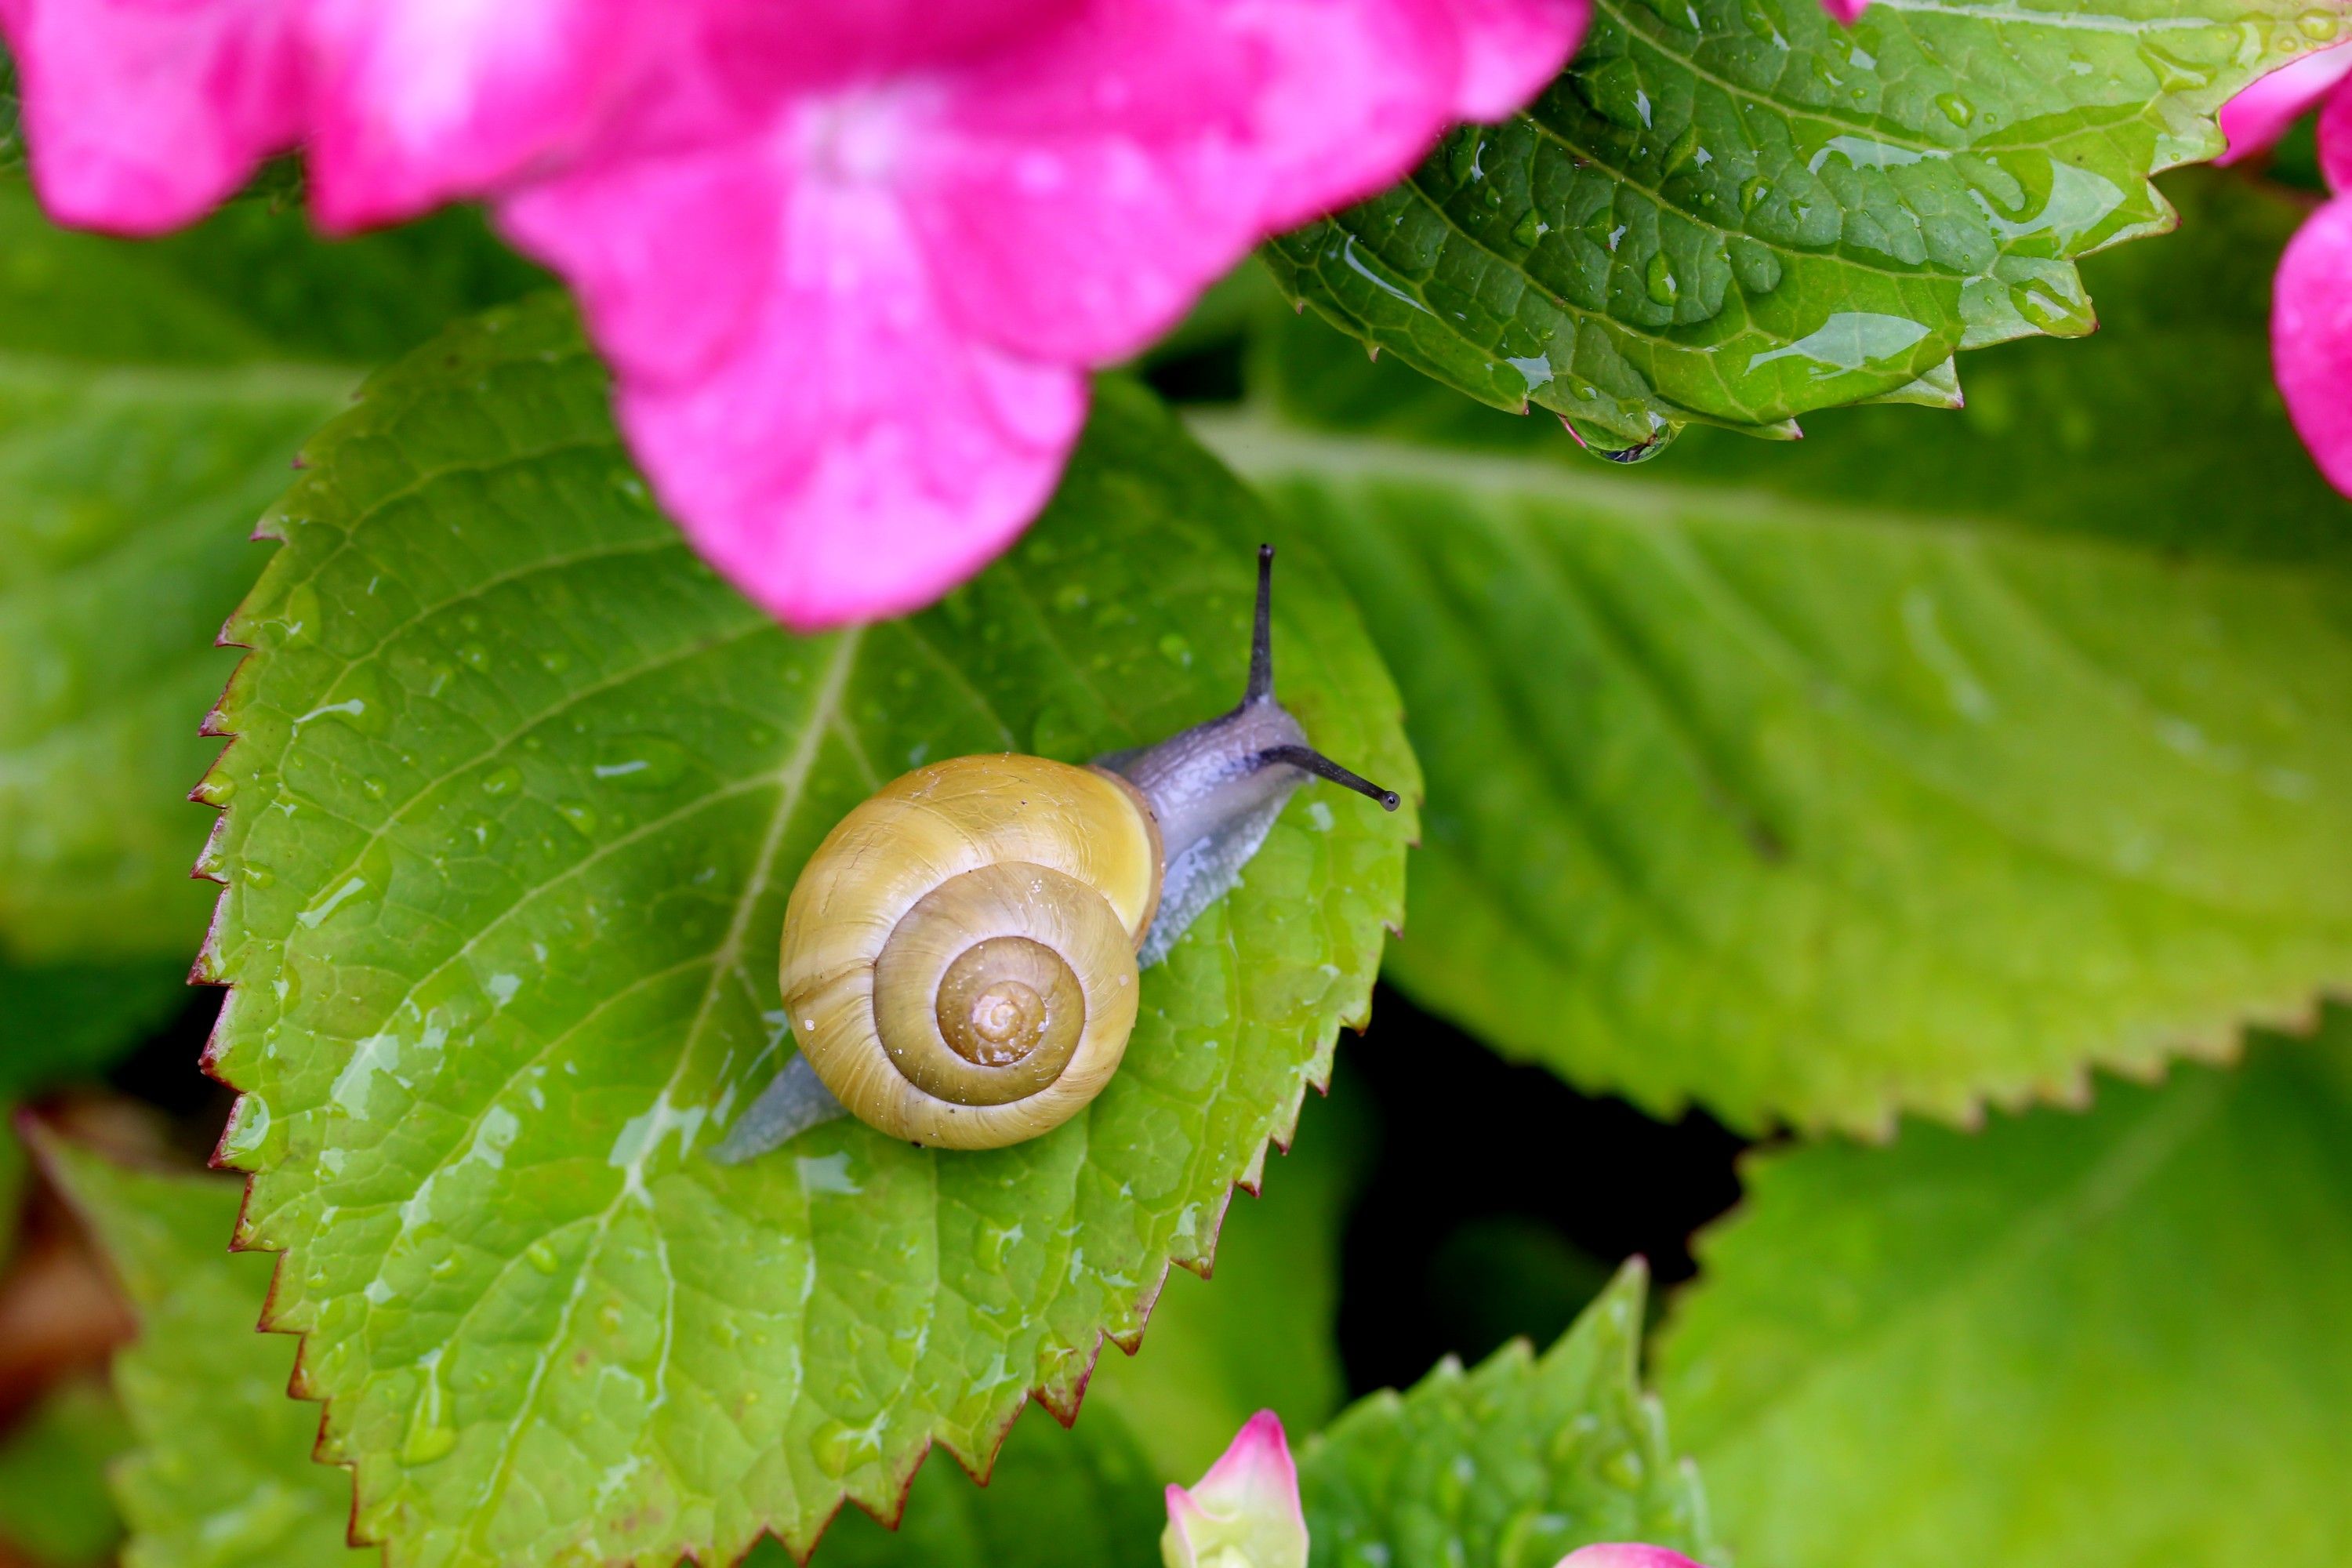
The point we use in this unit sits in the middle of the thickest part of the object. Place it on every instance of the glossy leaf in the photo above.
(519, 794)
(1262, 1333)
(1086, 1498)
(2089, 1341)
(220, 1474)
(201, 1380)
(151, 399)
(1738, 211)
(1512, 1464)
(1937, 758)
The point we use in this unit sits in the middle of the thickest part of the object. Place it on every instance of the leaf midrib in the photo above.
(791, 776)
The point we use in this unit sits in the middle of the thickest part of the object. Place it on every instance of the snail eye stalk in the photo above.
(1261, 689)
(1261, 670)
(1323, 767)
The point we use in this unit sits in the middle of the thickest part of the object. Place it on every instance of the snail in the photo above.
(960, 956)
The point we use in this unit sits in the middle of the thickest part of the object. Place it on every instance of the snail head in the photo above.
(1217, 787)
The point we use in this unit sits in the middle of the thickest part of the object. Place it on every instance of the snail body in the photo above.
(961, 955)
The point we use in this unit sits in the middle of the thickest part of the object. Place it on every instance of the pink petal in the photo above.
(1074, 195)
(416, 101)
(2335, 138)
(1846, 13)
(827, 440)
(1512, 50)
(671, 257)
(1625, 1555)
(759, 49)
(2258, 117)
(2311, 337)
(1256, 1470)
(1077, 192)
(1248, 1502)
(141, 114)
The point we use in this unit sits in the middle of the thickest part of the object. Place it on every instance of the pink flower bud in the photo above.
(1625, 1555)
(1244, 1513)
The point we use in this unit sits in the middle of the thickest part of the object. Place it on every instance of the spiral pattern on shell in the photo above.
(959, 955)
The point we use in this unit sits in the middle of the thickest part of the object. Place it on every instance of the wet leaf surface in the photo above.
(519, 793)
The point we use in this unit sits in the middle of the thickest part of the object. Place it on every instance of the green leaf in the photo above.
(1932, 761)
(152, 397)
(520, 791)
(1263, 1333)
(1512, 1464)
(53, 1503)
(1738, 211)
(220, 1475)
(1081, 1498)
(2097, 1341)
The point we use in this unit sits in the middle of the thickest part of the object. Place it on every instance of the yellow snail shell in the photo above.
(959, 955)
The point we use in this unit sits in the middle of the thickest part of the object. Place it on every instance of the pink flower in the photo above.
(2310, 301)
(850, 264)
(1624, 1554)
(1846, 12)
(1244, 1513)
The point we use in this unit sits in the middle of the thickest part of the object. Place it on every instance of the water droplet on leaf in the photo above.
(2172, 73)
(641, 762)
(243, 1145)
(2048, 311)
(431, 1433)
(1660, 278)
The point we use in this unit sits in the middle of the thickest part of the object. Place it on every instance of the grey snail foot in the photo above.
(796, 1101)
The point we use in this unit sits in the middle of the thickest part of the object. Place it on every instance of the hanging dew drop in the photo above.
(1662, 437)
